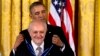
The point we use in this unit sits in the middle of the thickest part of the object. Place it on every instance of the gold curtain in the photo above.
(15, 20)
(25, 13)
(14, 17)
(0, 26)
(89, 28)
(86, 28)
(97, 28)
(5, 27)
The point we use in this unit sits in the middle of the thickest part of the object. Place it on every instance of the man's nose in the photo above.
(38, 34)
(41, 15)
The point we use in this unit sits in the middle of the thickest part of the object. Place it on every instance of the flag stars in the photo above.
(55, 2)
(59, 10)
(60, 3)
(63, 4)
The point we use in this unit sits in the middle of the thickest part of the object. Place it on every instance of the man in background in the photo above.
(54, 34)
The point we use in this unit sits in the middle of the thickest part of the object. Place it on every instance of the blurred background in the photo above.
(85, 23)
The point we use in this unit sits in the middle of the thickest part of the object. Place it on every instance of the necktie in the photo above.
(40, 51)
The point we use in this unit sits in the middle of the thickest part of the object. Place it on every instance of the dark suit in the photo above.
(58, 31)
(51, 31)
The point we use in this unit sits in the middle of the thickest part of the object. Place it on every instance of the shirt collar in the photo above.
(35, 46)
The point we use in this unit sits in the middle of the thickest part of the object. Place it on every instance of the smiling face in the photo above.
(37, 31)
(38, 12)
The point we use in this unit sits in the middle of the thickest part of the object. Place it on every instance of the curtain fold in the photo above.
(0, 23)
(15, 20)
(6, 27)
(97, 28)
(86, 28)
(25, 14)
(14, 17)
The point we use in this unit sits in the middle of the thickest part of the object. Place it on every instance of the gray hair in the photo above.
(42, 22)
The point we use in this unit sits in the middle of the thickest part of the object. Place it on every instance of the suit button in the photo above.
(49, 32)
(49, 54)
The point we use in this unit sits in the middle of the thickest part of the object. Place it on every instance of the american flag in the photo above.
(61, 14)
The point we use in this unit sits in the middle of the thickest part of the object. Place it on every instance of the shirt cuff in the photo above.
(13, 51)
(62, 49)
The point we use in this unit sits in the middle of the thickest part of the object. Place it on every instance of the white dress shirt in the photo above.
(35, 47)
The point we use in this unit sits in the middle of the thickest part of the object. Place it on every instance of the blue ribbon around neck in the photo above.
(30, 48)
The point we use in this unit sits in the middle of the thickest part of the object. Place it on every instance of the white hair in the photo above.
(42, 22)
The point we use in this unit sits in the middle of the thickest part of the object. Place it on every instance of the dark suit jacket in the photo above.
(26, 49)
(51, 31)
(52, 51)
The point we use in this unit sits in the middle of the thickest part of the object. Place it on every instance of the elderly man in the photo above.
(36, 46)
(54, 34)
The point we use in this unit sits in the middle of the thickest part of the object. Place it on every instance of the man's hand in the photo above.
(18, 41)
(56, 40)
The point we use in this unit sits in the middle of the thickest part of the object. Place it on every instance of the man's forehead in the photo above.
(38, 6)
